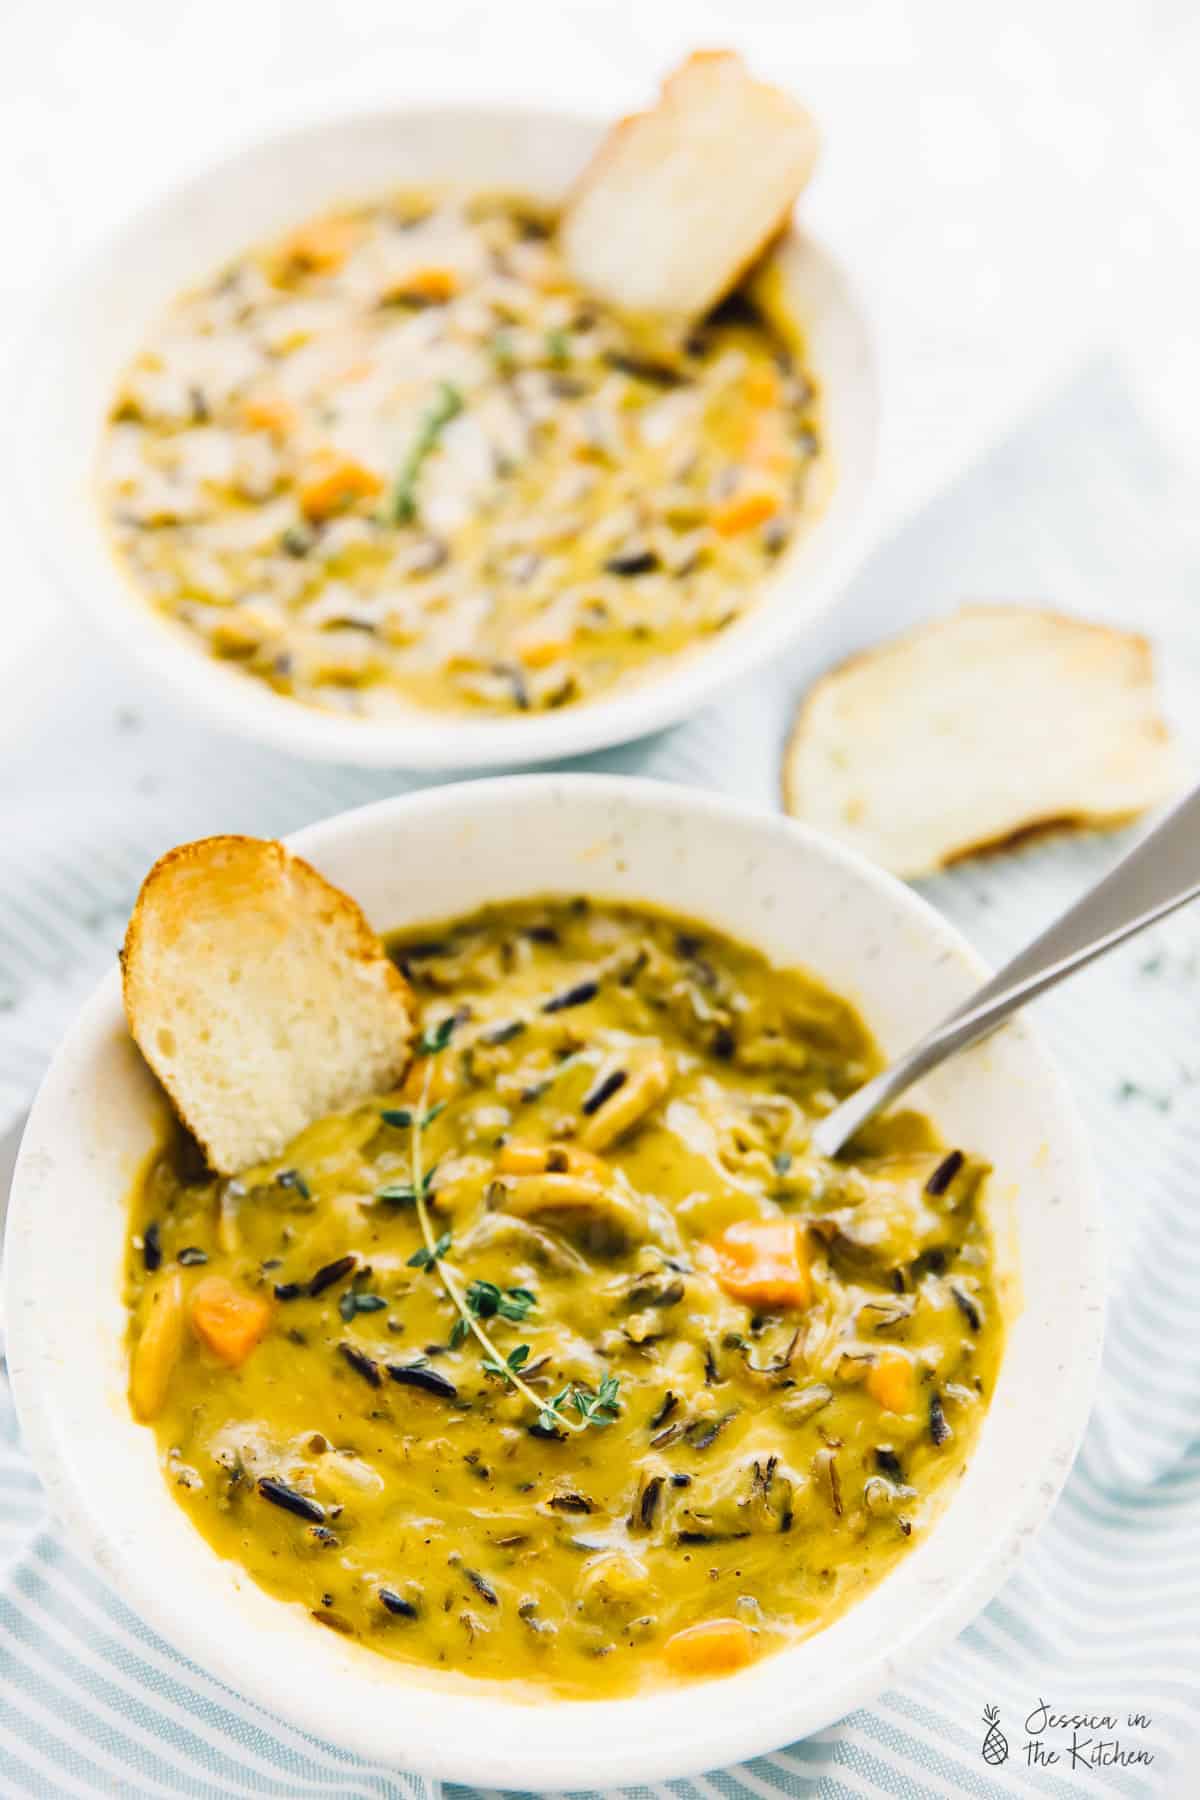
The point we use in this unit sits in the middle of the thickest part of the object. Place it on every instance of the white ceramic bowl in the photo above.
(801, 899)
(64, 380)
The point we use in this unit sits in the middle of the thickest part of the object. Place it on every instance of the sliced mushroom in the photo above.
(886, 1312)
(755, 1495)
(804, 1402)
(615, 1585)
(500, 1230)
(887, 1218)
(602, 1221)
(827, 1475)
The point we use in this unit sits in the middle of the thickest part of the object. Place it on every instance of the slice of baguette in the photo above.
(973, 730)
(679, 201)
(259, 995)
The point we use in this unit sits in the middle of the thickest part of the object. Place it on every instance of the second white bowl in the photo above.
(64, 380)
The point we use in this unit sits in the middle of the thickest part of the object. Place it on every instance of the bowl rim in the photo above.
(738, 1728)
(662, 696)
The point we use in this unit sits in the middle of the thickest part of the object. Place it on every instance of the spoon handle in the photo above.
(1159, 874)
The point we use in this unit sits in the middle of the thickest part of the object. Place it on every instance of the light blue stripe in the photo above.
(938, 1725)
(134, 1706)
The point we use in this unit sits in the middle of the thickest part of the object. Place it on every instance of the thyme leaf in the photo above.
(596, 1408)
(353, 1302)
(487, 1301)
(434, 1038)
(397, 1193)
(516, 1359)
(428, 1254)
(404, 1118)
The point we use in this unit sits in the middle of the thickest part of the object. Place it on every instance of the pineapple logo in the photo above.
(995, 1744)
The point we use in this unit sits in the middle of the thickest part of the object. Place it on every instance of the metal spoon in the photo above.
(1159, 874)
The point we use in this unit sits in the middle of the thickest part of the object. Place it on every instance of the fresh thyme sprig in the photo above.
(486, 1301)
(400, 507)
(597, 1409)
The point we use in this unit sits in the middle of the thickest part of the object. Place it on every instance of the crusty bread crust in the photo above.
(259, 995)
(680, 201)
(977, 731)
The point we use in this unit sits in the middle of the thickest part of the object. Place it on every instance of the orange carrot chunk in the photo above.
(763, 1262)
(268, 412)
(228, 1319)
(322, 246)
(433, 284)
(334, 482)
(540, 652)
(890, 1381)
(716, 1647)
(743, 511)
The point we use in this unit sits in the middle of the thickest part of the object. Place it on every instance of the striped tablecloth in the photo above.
(1079, 509)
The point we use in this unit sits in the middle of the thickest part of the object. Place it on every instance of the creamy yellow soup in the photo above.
(400, 458)
(571, 1365)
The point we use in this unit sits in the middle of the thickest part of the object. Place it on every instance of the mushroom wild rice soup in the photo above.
(399, 458)
(569, 1363)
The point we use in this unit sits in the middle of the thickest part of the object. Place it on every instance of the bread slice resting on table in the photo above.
(259, 995)
(977, 729)
(679, 201)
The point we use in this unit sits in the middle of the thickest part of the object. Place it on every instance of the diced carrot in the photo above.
(540, 652)
(228, 1319)
(890, 1381)
(322, 246)
(763, 1262)
(716, 1647)
(744, 510)
(268, 412)
(334, 482)
(428, 284)
(157, 1349)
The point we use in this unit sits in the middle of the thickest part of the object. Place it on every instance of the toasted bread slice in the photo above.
(679, 201)
(259, 995)
(973, 730)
